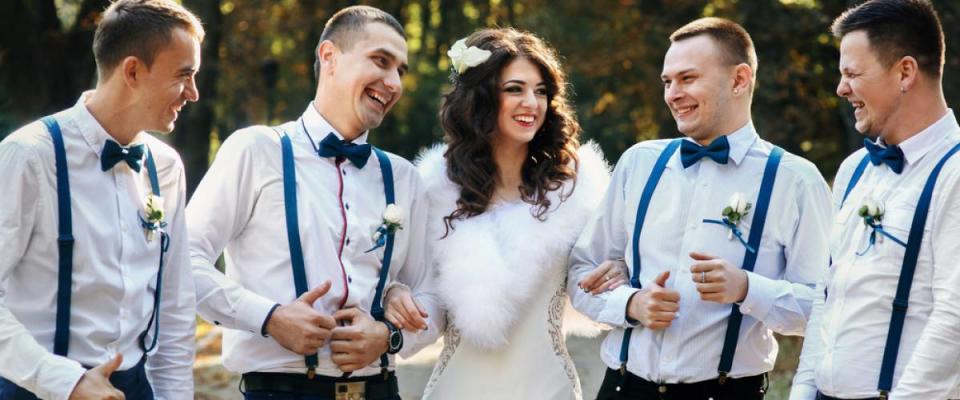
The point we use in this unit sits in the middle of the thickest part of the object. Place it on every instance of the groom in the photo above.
(300, 213)
(710, 279)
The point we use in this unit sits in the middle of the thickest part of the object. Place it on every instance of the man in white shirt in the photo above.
(303, 284)
(96, 292)
(710, 279)
(875, 331)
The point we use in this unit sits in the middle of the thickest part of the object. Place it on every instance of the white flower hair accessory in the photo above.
(463, 58)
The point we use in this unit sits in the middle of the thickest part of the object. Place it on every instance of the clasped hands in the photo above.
(356, 339)
(717, 280)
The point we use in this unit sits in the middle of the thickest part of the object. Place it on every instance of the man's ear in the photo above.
(131, 70)
(742, 79)
(327, 53)
(909, 70)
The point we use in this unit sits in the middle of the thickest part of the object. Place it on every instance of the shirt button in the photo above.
(349, 279)
(344, 171)
(348, 241)
(346, 205)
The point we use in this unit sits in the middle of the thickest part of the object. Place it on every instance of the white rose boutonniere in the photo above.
(737, 208)
(153, 220)
(872, 212)
(463, 58)
(392, 220)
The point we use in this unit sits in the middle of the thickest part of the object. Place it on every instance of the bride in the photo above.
(508, 195)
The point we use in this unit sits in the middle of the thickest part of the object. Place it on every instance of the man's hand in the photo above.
(95, 383)
(655, 307)
(299, 327)
(403, 311)
(718, 280)
(607, 276)
(359, 342)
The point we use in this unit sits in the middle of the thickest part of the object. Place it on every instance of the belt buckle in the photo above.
(349, 390)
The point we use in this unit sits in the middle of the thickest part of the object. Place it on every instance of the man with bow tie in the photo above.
(298, 211)
(710, 278)
(96, 290)
(886, 316)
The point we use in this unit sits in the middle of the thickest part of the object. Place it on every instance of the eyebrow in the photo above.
(522, 82)
(681, 72)
(191, 69)
(393, 57)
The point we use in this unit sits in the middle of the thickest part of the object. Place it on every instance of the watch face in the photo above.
(396, 340)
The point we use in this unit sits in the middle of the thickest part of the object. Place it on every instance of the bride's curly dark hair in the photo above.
(469, 113)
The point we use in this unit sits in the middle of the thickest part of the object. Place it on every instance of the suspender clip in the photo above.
(385, 372)
(623, 369)
(311, 372)
(723, 378)
(884, 395)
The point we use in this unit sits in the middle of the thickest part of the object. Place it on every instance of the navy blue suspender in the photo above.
(65, 241)
(750, 258)
(756, 233)
(296, 249)
(908, 267)
(61, 338)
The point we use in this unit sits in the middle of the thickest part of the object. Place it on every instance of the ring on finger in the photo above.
(703, 277)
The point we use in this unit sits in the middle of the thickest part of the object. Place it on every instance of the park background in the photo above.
(257, 69)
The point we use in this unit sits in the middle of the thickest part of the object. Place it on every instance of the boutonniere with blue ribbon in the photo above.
(152, 221)
(872, 213)
(732, 214)
(392, 221)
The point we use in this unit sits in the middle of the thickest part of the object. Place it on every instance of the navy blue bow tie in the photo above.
(691, 152)
(332, 146)
(890, 155)
(112, 154)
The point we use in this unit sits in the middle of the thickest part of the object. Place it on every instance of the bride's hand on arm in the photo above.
(607, 276)
(403, 311)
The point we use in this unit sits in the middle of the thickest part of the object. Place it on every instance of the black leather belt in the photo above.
(633, 384)
(374, 387)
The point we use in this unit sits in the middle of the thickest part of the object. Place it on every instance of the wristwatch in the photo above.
(394, 338)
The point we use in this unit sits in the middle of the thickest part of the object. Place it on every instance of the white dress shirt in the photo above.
(238, 210)
(847, 333)
(114, 265)
(792, 255)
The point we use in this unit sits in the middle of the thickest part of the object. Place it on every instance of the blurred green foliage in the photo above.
(258, 57)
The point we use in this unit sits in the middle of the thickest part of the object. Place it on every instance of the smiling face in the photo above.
(872, 89)
(523, 102)
(168, 84)
(365, 78)
(698, 88)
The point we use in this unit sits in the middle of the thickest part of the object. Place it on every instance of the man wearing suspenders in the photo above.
(886, 321)
(710, 277)
(316, 225)
(92, 228)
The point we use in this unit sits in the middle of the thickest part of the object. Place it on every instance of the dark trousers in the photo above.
(631, 387)
(132, 382)
(279, 386)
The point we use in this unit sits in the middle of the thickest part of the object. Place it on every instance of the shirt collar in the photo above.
(740, 142)
(318, 127)
(915, 147)
(90, 129)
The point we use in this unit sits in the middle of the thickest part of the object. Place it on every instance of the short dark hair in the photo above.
(139, 28)
(896, 29)
(342, 27)
(736, 46)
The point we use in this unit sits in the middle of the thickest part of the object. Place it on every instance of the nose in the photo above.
(191, 91)
(843, 88)
(672, 93)
(393, 82)
(529, 99)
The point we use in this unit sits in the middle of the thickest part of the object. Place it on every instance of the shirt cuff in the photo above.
(761, 292)
(263, 327)
(614, 310)
(803, 392)
(58, 377)
(252, 313)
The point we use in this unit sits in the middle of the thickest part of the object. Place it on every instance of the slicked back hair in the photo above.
(139, 28)
(344, 27)
(896, 29)
(735, 44)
